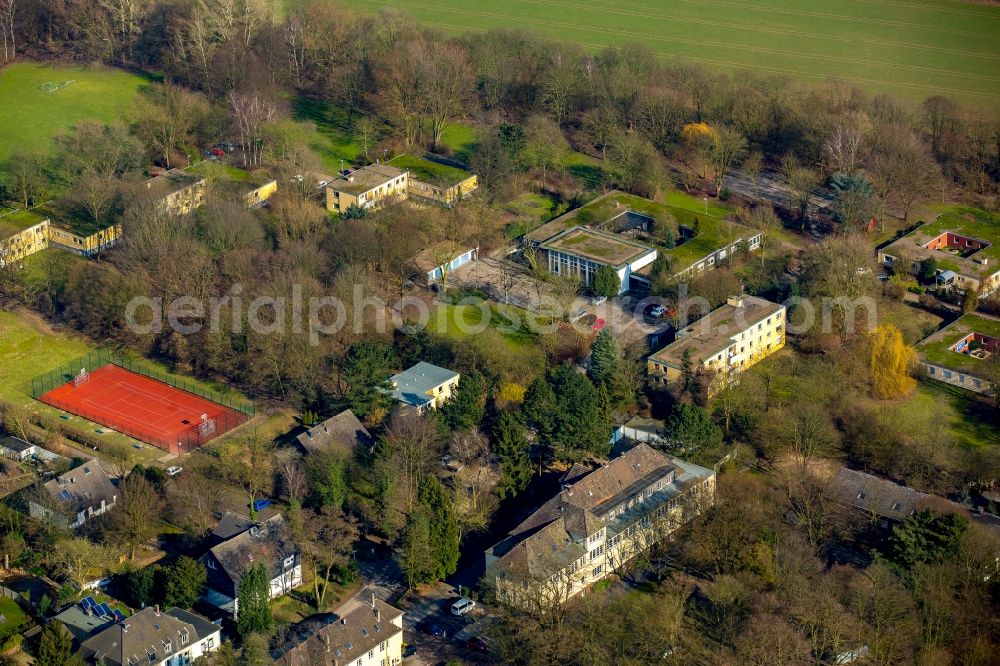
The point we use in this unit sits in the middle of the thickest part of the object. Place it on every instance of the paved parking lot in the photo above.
(434, 606)
(623, 315)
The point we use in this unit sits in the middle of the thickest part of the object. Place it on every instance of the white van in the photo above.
(462, 606)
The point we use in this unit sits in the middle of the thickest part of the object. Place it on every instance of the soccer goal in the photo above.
(49, 86)
(207, 426)
(81, 378)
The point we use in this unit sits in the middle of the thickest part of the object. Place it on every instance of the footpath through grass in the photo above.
(31, 117)
(911, 49)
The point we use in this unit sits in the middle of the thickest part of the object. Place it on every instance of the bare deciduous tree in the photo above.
(79, 559)
(136, 515)
(843, 149)
(252, 113)
(447, 85)
(8, 11)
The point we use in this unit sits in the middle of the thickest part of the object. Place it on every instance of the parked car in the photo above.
(462, 606)
(658, 311)
(599, 325)
(478, 644)
(597, 300)
(174, 470)
(433, 628)
(261, 504)
(409, 651)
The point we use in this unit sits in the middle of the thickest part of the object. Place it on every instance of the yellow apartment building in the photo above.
(87, 243)
(725, 342)
(373, 186)
(435, 180)
(22, 234)
(178, 192)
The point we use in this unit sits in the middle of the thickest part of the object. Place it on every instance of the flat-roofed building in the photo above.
(436, 181)
(372, 186)
(962, 352)
(437, 262)
(15, 448)
(177, 191)
(723, 343)
(22, 234)
(701, 241)
(424, 386)
(965, 247)
(581, 252)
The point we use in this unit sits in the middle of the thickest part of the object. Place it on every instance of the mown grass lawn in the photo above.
(970, 421)
(334, 141)
(30, 117)
(460, 321)
(911, 49)
(460, 139)
(11, 614)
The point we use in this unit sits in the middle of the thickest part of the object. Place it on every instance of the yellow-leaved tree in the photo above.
(892, 363)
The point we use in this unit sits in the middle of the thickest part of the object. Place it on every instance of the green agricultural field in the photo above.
(912, 49)
(30, 117)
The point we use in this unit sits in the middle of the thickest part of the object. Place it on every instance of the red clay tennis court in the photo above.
(144, 408)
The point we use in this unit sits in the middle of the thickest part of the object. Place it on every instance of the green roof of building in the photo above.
(937, 349)
(17, 221)
(430, 171)
(597, 246)
(75, 221)
(714, 230)
(974, 223)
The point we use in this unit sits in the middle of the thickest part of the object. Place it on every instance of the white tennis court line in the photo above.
(184, 412)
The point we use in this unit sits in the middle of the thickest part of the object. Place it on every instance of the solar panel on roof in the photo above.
(90, 601)
(119, 616)
(103, 610)
(64, 494)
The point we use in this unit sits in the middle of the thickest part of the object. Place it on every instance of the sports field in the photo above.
(33, 113)
(909, 48)
(144, 408)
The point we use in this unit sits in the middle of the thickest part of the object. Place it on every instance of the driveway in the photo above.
(490, 274)
(622, 315)
(433, 604)
(771, 188)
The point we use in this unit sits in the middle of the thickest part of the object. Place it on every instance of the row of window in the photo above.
(710, 262)
(960, 379)
(563, 264)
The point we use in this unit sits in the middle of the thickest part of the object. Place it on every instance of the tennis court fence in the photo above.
(194, 436)
(183, 442)
(99, 358)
